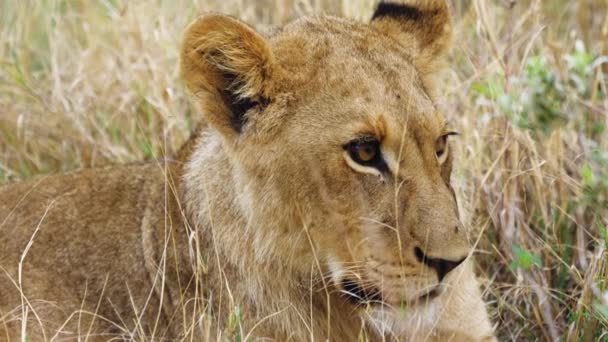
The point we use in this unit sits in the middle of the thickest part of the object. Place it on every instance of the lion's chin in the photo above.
(371, 296)
(404, 321)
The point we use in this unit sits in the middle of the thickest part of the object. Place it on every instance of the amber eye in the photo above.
(441, 146)
(366, 152)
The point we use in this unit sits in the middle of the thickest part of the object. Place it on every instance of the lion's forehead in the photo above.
(338, 51)
(351, 73)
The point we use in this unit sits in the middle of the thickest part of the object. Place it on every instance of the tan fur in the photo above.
(263, 212)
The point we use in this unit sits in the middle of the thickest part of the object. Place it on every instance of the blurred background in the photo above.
(84, 83)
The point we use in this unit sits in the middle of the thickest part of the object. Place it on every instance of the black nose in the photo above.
(441, 266)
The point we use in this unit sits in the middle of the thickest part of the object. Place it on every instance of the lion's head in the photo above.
(334, 144)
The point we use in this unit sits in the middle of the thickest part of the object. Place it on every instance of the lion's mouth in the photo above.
(359, 295)
(372, 296)
(430, 295)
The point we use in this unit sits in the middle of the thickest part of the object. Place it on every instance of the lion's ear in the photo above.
(228, 69)
(423, 26)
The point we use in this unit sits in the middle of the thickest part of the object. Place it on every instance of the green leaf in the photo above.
(603, 232)
(601, 309)
(524, 259)
(587, 175)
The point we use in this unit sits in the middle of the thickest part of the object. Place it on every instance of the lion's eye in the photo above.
(364, 155)
(441, 146)
(364, 152)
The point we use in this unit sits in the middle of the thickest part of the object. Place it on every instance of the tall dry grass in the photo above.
(85, 83)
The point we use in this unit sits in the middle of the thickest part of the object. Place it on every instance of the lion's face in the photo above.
(336, 142)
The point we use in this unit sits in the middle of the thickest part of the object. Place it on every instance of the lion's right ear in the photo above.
(228, 68)
(423, 26)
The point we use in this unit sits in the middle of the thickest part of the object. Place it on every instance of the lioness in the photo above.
(313, 204)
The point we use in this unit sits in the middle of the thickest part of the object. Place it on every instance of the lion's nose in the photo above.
(441, 266)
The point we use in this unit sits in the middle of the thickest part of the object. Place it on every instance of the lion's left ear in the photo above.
(229, 69)
(424, 27)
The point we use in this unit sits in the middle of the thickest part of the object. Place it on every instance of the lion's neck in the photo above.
(216, 208)
(257, 263)
(236, 251)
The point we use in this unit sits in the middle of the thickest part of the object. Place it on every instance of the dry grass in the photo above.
(86, 83)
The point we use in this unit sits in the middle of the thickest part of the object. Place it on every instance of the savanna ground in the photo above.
(85, 83)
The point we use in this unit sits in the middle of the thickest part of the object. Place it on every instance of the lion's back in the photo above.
(61, 209)
(67, 239)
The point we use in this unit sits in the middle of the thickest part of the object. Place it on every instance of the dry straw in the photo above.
(86, 83)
